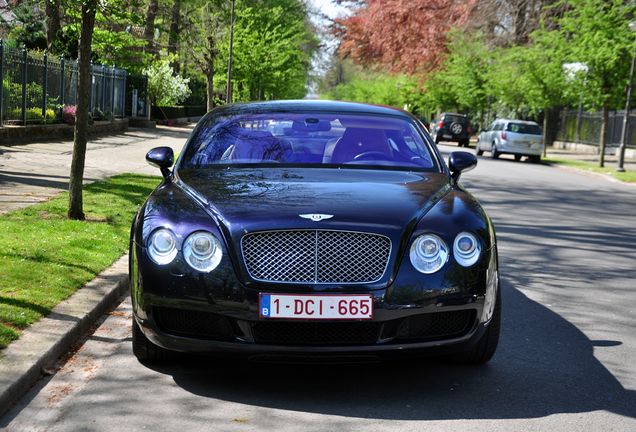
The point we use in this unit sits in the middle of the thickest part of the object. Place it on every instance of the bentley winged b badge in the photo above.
(316, 217)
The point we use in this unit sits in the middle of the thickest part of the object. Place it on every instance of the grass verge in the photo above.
(45, 257)
(627, 176)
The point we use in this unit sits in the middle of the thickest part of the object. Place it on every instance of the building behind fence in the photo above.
(36, 88)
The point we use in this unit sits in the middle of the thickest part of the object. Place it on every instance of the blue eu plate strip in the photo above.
(265, 305)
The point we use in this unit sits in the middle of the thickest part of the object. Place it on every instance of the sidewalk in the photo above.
(32, 173)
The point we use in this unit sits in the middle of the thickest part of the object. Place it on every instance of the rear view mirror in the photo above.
(311, 125)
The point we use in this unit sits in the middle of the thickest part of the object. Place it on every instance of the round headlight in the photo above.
(162, 246)
(428, 253)
(467, 249)
(202, 251)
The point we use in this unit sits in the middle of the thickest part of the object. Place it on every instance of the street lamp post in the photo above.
(621, 151)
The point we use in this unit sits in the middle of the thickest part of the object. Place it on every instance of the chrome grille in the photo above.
(315, 256)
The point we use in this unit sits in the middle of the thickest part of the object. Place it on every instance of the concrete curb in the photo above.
(45, 341)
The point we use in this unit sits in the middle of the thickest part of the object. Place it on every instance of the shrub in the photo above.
(164, 87)
(68, 114)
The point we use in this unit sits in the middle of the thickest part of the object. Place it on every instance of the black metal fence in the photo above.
(40, 88)
(578, 126)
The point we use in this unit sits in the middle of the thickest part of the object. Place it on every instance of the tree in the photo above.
(272, 51)
(595, 33)
(149, 31)
(407, 37)
(202, 37)
(75, 208)
(53, 25)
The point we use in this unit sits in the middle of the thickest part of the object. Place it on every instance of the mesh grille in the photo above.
(192, 323)
(316, 256)
(298, 333)
(437, 325)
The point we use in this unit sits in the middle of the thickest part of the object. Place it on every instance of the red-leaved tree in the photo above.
(407, 36)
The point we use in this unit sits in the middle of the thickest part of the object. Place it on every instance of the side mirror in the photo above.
(162, 158)
(482, 130)
(461, 162)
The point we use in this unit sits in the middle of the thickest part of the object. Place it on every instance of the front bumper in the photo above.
(217, 314)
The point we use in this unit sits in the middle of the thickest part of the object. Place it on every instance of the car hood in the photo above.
(378, 201)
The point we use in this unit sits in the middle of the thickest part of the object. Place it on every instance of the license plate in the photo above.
(355, 306)
(447, 136)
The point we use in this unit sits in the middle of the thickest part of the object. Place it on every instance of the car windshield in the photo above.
(523, 128)
(308, 138)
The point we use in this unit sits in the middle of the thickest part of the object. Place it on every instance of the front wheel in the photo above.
(142, 348)
(485, 348)
(535, 159)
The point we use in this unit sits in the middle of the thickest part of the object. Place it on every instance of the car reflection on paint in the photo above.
(313, 231)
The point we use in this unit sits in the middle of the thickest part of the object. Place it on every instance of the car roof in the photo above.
(452, 113)
(308, 106)
(517, 121)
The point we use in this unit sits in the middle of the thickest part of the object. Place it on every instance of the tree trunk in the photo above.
(52, 10)
(603, 143)
(210, 87)
(75, 207)
(149, 31)
(175, 29)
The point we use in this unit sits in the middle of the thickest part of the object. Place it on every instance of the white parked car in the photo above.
(516, 137)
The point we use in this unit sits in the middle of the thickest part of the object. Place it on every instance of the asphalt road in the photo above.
(565, 361)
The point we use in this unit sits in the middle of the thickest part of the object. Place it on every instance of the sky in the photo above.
(328, 8)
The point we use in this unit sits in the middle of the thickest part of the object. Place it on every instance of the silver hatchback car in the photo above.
(516, 137)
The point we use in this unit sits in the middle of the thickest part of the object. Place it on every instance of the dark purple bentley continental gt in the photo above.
(313, 231)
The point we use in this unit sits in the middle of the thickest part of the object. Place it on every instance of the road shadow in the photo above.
(544, 366)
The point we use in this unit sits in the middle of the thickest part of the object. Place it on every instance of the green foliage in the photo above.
(31, 114)
(370, 88)
(272, 52)
(28, 26)
(164, 87)
(119, 48)
(596, 34)
(198, 95)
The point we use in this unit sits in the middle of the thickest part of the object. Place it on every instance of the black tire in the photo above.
(485, 348)
(479, 151)
(494, 153)
(535, 159)
(142, 348)
(436, 139)
(517, 157)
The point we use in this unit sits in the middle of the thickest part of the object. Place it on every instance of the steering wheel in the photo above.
(373, 155)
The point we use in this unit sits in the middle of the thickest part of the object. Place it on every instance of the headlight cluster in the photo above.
(201, 249)
(429, 252)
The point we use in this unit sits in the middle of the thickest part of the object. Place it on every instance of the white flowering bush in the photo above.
(164, 87)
